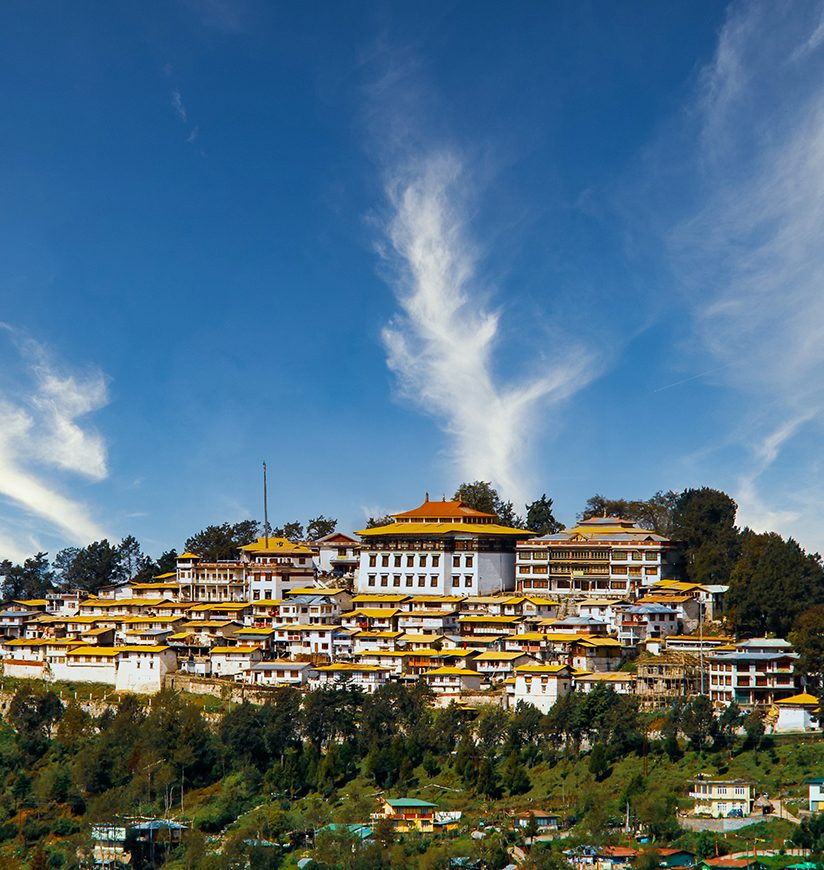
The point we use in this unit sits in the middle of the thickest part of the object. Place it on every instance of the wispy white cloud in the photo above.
(176, 100)
(177, 105)
(44, 432)
(754, 510)
(750, 250)
(442, 343)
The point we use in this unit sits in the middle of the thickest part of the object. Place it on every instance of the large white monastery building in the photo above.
(439, 548)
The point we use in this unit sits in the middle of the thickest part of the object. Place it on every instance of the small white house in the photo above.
(395, 661)
(231, 661)
(23, 649)
(797, 714)
(371, 641)
(141, 668)
(280, 672)
(619, 681)
(447, 681)
(430, 620)
(499, 665)
(296, 640)
(336, 554)
(816, 795)
(88, 664)
(541, 685)
(367, 677)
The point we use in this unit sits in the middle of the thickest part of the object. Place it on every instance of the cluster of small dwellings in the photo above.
(442, 594)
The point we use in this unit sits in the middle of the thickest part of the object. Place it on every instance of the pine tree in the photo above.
(514, 776)
(487, 782)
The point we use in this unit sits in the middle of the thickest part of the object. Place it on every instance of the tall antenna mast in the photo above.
(701, 641)
(265, 508)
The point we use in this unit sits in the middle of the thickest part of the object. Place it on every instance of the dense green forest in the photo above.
(246, 777)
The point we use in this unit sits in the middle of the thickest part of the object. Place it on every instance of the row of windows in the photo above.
(571, 554)
(408, 581)
(589, 555)
(447, 545)
(410, 560)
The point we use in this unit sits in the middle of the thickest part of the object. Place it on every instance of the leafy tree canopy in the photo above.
(62, 562)
(772, 582)
(319, 527)
(314, 529)
(292, 531)
(32, 579)
(167, 561)
(98, 564)
(704, 524)
(482, 496)
(218, 543)
(654, 513)
(807, 636)
(540, 519)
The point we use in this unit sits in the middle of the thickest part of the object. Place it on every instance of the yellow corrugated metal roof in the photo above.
(372, 612)
(365, 598)
(390, 634)
(343, 667)
(92, 650)
(599, 641)
(497, 620)
(316, 590)
(804, 699)
(427, 529)
(222, 650)
(277, 545)
(22, 641)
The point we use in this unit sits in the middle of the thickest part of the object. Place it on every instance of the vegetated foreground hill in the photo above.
(254, 776)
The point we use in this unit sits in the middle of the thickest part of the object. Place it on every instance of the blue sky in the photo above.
(387, 247)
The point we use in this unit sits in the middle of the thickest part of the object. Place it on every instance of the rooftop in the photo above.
(282, 546)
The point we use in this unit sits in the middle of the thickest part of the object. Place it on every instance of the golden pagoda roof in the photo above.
(440, 509)
(442, 528)
(277, 545)
(804, 699)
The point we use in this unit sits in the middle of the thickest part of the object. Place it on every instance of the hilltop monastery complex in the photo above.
(479, 611)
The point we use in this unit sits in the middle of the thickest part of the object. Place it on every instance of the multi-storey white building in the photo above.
(209, 581)
(337, 554)
(753, 673)
(540, 685)
(600, 557)
(639, 622)
(442, 548)
(274, 567)
(721, 797)
(267, 569)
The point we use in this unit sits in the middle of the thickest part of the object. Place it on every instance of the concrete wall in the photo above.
(496, 572)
